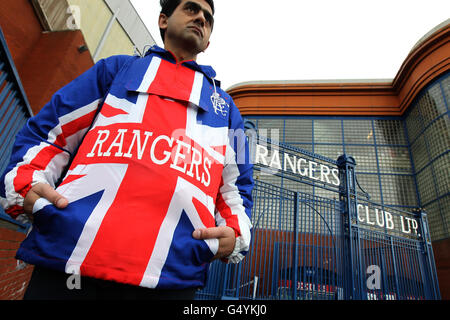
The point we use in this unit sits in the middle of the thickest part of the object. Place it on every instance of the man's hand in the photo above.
(225, 235)
(42, 190)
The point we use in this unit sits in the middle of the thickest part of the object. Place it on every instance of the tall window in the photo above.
(401, 162)
(428, 130)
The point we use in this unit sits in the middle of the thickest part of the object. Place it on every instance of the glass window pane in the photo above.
(330, 151)
(445, 84)
(431, 105)
(399, 189)
(438, 137)
(370, 184)
(391, 132)
(271, 128)
(435, 221)
(419, 153)
(426, 186)
(394, 160)
(414, 124)
(298, 130)
(327, 131)
(442, 172)
(365, 157)
(358, 131)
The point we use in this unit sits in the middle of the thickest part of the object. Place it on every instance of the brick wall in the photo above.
(13, 279)
(441, 251)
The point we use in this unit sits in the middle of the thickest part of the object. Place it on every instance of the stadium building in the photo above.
(397, 131)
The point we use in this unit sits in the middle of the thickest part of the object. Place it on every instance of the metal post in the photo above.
(238, 280)
(347, 190)
(427, 257)
(225, 282)
(397, 289)
(295, 247)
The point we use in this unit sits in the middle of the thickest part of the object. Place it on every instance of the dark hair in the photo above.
(169, 6)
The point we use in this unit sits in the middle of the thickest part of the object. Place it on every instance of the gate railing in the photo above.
(391, 245)
(316, 235)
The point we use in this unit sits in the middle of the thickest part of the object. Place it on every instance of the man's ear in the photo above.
(162, 21)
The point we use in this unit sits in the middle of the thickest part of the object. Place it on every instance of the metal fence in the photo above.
(14, 109)
(317, 235)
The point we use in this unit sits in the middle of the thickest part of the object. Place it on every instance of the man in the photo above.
(151, 173)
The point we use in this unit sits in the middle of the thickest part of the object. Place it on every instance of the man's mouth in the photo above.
(197, 30)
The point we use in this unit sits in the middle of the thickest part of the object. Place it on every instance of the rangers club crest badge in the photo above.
(219, 104)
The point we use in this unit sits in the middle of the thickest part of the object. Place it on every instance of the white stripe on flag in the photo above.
(196, 89)
(87, 185)
(181, 201)
(150, 74)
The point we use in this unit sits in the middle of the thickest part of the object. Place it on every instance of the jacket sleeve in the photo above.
(234, 200)
(44, 146)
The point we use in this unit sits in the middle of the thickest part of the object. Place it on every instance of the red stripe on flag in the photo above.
(109, 111)
(173, 81)
(71, 178)
(74, 126)
(226, 213)
(204, 214)
(25, 173)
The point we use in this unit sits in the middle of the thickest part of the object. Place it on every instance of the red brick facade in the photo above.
(14, 275)
(45, 61)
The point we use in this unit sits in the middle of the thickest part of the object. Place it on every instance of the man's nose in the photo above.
(200, 19)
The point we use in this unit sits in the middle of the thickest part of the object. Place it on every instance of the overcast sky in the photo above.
(310, 40)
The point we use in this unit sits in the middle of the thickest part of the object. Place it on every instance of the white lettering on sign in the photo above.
(380, 218)
(297, 165)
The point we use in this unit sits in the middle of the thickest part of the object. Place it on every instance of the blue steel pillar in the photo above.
(295, 247)
(428, 266)
(347, 192)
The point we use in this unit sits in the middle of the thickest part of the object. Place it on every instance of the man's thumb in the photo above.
(197, 234)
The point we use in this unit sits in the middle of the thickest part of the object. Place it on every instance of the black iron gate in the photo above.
(316, 235)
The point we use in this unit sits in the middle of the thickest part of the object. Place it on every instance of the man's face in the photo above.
(189, 26)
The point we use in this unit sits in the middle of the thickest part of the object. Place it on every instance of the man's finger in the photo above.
(211, 233)
(46, 191)
(225, 235)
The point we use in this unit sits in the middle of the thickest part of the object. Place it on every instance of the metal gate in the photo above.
(316, 235)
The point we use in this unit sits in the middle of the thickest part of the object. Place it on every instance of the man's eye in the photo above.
(192, 9)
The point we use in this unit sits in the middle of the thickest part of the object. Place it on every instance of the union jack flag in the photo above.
(150, 161)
